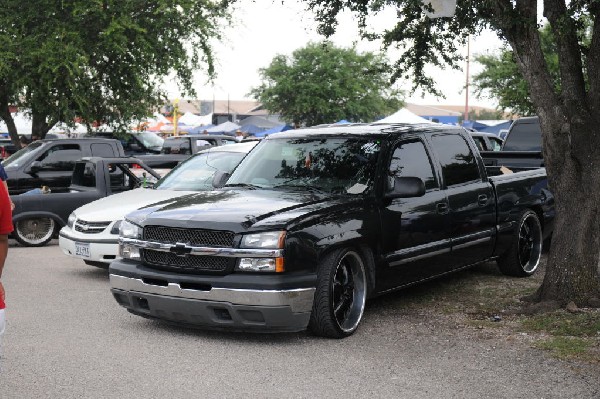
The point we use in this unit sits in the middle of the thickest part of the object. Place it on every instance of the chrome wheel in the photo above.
(530, 243)
(34, 232)
(348, 288)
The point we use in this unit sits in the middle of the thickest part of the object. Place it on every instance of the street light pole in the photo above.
(175, 116)
(467, 84)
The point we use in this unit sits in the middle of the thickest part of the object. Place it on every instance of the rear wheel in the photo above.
(523, 257)
(340, 296)
(35, 232)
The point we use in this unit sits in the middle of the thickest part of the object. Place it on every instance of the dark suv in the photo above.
(135, 143)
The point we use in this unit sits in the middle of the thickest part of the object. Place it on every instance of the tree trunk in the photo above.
(39, 127)
(570, 143)
(572, 272)
(6, 116)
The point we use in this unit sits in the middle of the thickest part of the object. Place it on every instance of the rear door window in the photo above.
(103, 150)
(458, 163)
(524, 137)
(60, 157)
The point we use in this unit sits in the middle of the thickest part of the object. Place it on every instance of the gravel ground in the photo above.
(67, 338)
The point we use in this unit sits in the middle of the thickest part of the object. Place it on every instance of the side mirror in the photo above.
(135, 147)
(35, 167)
(406, 187)
(220, 178)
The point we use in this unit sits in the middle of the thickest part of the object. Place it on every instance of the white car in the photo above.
(92, 231)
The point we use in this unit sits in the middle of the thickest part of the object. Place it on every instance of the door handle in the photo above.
(482, 200)
(442, 208)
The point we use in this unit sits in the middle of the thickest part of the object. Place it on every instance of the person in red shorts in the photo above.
(6, 227)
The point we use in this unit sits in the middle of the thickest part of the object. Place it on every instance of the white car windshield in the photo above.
(196, 174)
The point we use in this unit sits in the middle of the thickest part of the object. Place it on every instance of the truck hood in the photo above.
(116, 206)
(237, 210)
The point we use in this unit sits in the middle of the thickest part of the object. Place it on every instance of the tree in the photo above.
(99, 60)
(568, 111)
(321, 83)
(502, 79)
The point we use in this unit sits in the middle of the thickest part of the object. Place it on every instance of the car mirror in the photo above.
(406, 187)
(35, 167)
(220, 178)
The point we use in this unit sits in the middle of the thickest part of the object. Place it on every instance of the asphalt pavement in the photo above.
(67, 338)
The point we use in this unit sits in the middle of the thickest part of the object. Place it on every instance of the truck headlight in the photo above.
(261, 265)
(270, 239)
(71, 220)
(129, 230)
(267, 240)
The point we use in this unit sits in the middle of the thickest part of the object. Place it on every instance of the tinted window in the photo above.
(480, 142)
(60, 157)
(84, 175)
(495, 143)
(524, 137)
(457, 161)
(103, 150)
(336, 165)
(411, 160)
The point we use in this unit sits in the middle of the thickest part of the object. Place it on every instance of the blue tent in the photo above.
(276, 129)
(252, 129)
(199, 129)
(342, 122)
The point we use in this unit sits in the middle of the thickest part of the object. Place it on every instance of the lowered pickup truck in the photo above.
(37, 217)
(315, 221)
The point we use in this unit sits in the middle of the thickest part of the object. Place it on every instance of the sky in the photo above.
(262, 29)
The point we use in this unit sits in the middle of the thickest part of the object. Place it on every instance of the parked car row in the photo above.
(299, 230)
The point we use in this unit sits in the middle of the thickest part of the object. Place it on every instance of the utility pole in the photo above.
(467, 84)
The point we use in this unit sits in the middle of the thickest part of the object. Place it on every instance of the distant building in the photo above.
(222, 110)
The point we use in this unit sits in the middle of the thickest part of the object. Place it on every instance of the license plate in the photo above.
(82, 249)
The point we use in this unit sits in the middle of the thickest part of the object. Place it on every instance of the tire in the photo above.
(523, 257)
(35, 232)
(340, 296)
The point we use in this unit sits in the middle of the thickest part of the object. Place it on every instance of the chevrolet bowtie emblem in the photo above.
(180, 249)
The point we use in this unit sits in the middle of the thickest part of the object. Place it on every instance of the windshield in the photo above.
(333, 165)
(21, 156)
(150, 140)
(196, 174)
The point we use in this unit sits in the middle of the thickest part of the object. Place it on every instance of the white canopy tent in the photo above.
(404, 116)
(191, 119)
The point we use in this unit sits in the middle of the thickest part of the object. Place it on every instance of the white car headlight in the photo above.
(71, 220)
(268, 240)
(129, 230)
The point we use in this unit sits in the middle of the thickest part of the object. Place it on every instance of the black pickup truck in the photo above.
(315, 221)
(37, 217)
(50, 162)
(522, 148)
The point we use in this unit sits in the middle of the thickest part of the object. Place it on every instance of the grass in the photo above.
(474, 297)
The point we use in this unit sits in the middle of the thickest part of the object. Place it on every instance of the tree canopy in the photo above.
(567, 105)
(321, 83)
(502, 80)
(100, 60)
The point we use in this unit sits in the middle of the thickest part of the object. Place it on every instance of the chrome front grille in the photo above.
(187, 264)
(195, 237)
(85, 227)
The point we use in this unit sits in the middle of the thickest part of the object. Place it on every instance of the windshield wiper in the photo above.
(246, 185)
(307, 187)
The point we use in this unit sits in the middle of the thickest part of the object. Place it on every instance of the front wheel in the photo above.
(340, 296)
(523, 257)
(35, 232)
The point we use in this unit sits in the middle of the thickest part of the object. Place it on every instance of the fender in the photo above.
(39, 214)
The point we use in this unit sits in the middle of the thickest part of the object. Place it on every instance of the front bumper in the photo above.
(103, 248)
(218, 302)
